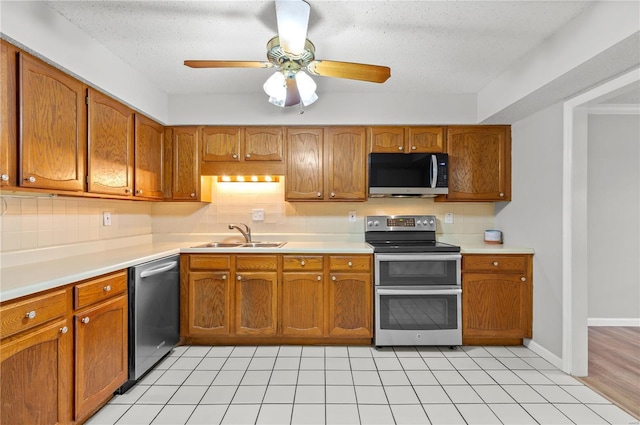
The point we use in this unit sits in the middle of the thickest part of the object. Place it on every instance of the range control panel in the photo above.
(392, 223)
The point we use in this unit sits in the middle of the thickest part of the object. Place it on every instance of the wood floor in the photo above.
(614, 365)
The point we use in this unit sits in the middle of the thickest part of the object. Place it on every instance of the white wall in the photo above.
(613, 214)
(534, 216)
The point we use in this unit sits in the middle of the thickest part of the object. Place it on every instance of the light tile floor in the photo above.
(358, 385)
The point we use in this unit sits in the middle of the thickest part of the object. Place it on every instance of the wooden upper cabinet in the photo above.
(149, 151)
(234, 144)
(185, 164)
(424, 139)
(8, 115)
(221, 143)
(111, 138)
(479, 163)
(52, 113)
(263, 144)
(346, 164)
(304, 171)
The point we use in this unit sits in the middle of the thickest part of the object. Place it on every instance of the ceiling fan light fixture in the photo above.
(307, 88)
(293, 18)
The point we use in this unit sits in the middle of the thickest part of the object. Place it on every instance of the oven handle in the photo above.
(417, 257)
(418, 291)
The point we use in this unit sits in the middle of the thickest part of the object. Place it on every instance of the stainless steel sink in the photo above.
(220, 245)
(263, 244)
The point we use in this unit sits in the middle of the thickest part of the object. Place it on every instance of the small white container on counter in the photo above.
(493, 236)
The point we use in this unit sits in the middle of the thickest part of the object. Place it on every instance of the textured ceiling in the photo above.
(430, 46)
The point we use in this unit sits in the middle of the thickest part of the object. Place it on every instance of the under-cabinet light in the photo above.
(254, 179)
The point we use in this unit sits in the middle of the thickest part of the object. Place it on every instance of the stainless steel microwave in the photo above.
(413, 174)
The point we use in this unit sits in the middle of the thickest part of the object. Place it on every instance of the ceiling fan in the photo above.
(292, 54)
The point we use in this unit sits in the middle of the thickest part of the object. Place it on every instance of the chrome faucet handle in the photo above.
(246, 232)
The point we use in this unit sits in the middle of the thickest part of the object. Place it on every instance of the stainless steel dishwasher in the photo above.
(154, 314)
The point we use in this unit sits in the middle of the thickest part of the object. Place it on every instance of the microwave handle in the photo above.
(434, 170)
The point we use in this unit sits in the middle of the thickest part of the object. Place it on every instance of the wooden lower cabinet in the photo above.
(302, 304)
(256, 303)
(101, 354)
(497, 294)
(37, 374)
(349, 305)
(209, 301)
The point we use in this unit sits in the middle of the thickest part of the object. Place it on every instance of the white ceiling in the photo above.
(430, 46)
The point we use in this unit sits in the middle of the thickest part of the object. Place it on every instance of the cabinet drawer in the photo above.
(22, 315)
(257, 262)
(302, 262)
(350, 262)
(209, 262)
(494, 263)
(99, 289)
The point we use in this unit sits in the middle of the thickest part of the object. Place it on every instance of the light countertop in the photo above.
(27, 279)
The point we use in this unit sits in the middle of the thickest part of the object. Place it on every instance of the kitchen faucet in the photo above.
(246, 232)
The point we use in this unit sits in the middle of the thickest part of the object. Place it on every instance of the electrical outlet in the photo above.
(448, 218)
(106, 218)
(257, 214)
(352, 216)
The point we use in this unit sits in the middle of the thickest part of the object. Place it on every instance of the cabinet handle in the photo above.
(302, 263)
(193, 195)
(248, 155)
(31, 179)
(107, 288)
(31, 314)
(400, 148)
(5, 177)
(333, 195)
(85, 319)
(239, 277)
(319, 278)
(333, 278)
(64, 330)
(524, 279)
(234, 156)
(495, 263)
(318, 194)
(501, 195)
(349, 264)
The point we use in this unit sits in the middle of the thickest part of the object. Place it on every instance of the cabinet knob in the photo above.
(248, 155)
(495, 263)
(107, 288)
(224, 277)
(239, 277)
(127, 190)
(349, 264)
(139, 191)
(5, 177)
(501, 195)
(524, 279)
(319, 278)
(193, 195)
(31, 179)
(64, 330)
(333, 278)
(30, 315)
(319, 194)
(302, 263)
(333, 195)
(234, 156)
(413, 148)
(85, 319)
(400, 148)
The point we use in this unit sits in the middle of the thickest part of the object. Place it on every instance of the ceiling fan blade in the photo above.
(350, 70)
(293, 94)
(227, 64)
(293, 19)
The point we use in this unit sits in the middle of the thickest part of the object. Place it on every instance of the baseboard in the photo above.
(543, 352)
(613, 322)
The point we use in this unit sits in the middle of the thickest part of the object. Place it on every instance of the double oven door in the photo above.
(418, 299)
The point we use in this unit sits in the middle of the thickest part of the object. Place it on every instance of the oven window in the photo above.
(418, 312)
(418, 272)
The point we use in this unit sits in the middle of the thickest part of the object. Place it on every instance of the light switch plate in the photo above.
(257, 214)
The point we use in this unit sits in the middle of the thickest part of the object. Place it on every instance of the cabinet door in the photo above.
(149, 151)
(256, 304)
(111, 135)
(304, 172)
(426, 139)
(210, 303)
(302, 304)
(53, 133)
(9, 121)
(349, 305)
(36, 369)
(263, 144)
(186, 172)
(387, 139)
(479, 163)
(496, 305)
(221, 143)
(346, 164)
(101, 354)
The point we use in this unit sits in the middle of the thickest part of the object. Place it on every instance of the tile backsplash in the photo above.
(39, 222)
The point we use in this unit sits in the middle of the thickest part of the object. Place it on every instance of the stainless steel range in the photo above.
(418, 291)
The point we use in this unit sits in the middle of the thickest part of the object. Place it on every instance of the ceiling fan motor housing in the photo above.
(289, 63)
